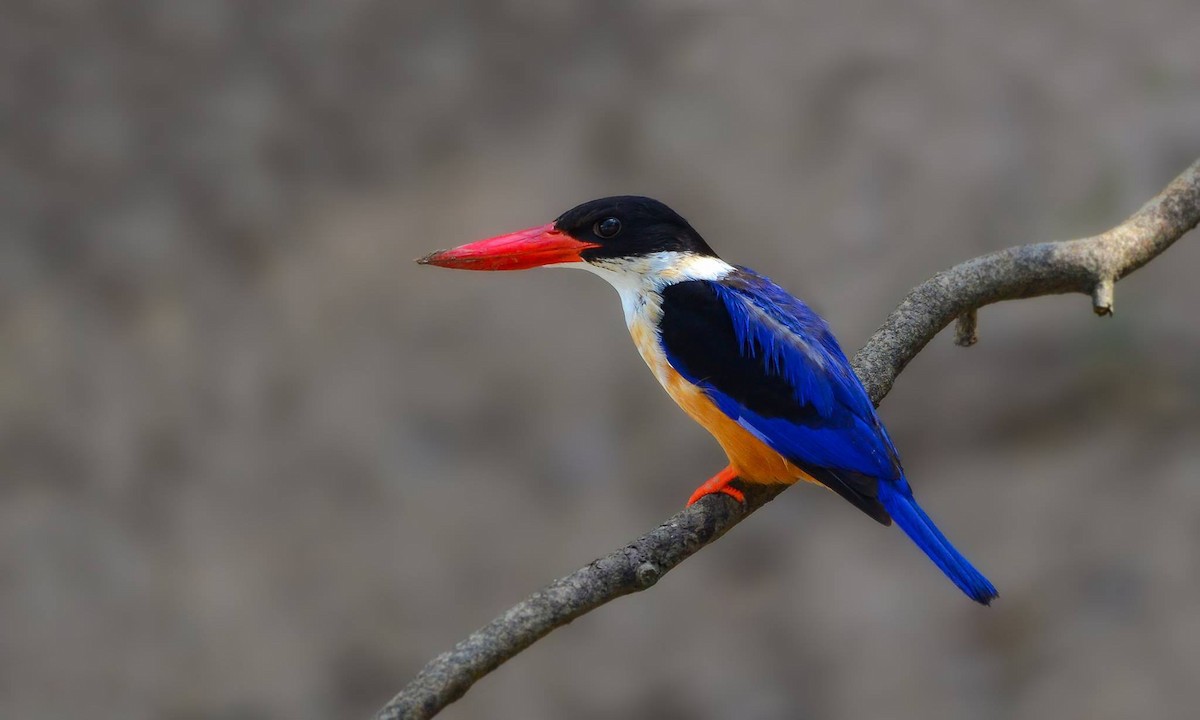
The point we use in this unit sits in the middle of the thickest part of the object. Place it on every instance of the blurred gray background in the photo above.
(255, 463)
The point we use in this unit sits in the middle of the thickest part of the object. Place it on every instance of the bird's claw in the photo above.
(719, 483)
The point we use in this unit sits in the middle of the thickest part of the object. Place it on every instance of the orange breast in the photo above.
(753, 459)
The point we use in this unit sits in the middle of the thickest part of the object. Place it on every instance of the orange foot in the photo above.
(719, 483)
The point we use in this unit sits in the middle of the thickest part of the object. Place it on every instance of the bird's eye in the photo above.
(607, 228)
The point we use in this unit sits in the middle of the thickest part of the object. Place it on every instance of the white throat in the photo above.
(640, 280)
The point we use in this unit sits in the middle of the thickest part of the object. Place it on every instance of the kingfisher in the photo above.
(748, 361)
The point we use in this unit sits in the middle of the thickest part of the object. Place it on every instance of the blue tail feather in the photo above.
(897, 499)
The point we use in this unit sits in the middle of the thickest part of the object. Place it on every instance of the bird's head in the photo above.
(616, 233)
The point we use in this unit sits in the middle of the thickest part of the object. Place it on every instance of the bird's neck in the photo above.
(640, 280)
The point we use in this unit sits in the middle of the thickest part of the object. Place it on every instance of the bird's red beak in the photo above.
(543, 245)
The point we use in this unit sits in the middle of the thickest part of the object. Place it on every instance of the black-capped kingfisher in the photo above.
(744, 358)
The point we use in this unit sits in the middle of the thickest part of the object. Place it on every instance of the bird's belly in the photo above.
(753, 459)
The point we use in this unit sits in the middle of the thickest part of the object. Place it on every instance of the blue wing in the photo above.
(771, 363)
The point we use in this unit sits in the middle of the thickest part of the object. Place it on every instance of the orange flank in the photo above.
(750, 459)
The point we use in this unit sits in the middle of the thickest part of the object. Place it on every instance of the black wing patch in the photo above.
(697, 331)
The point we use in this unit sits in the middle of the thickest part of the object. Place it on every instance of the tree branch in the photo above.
(1089, 265)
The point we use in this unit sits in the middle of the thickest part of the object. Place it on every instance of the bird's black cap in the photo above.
(630, 226)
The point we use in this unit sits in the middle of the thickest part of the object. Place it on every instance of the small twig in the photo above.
(1090, 265)
(966, 329)
(1102, 296)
